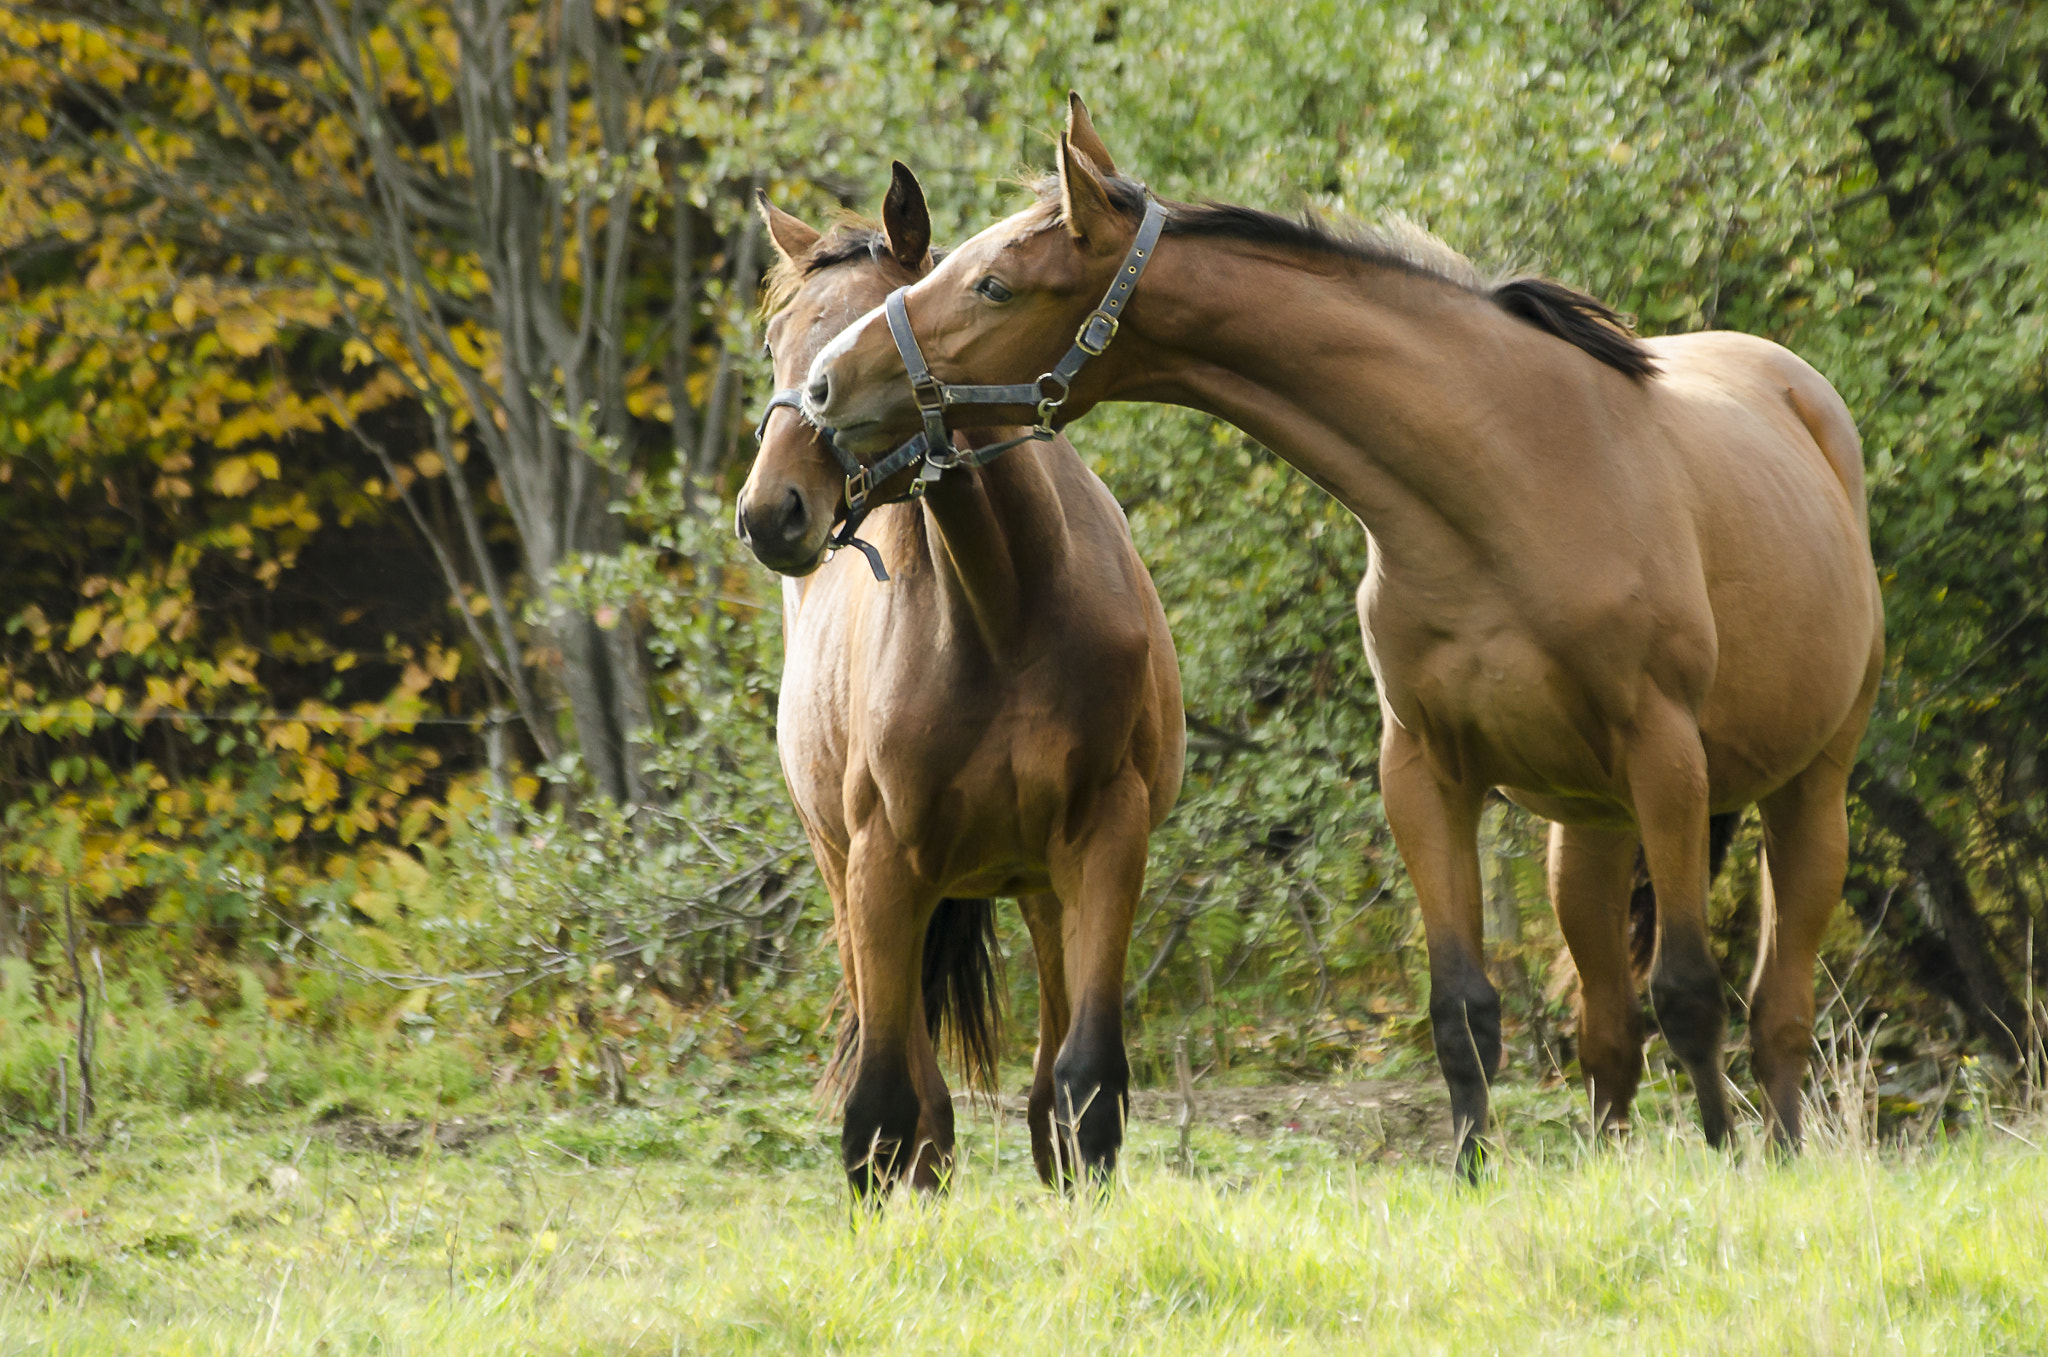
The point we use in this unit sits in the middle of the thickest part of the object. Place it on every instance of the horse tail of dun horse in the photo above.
(961, 985)
(1642, 901)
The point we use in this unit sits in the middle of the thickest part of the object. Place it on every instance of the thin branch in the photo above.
(505, 665)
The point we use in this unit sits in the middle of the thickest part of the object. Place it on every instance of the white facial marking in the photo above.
(831, 354)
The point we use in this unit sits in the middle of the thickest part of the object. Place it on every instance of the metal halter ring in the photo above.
(1048, 406)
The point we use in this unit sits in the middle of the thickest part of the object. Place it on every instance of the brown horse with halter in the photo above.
(1626, 582)
(995, 712)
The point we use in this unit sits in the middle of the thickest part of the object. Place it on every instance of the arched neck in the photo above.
(1414, 401)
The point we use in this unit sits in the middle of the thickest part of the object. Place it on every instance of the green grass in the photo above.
(691, 1230)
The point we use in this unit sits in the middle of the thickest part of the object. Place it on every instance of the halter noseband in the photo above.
(932, 451)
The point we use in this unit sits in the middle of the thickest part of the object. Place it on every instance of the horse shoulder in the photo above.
(812, 734)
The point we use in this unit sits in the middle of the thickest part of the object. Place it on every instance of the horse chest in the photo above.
(1501, 704)
(936, 754)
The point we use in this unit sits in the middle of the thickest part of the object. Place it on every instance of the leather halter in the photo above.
(1048, 392)
(933, 451)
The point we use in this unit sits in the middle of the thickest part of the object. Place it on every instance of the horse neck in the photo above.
(1413, 401)
(990, 537)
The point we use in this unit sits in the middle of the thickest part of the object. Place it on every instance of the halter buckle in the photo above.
(858, 487)
(1095, 333)
(928, 392)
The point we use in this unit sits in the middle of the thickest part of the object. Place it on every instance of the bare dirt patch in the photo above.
(1379, 1120)
(405, 1139)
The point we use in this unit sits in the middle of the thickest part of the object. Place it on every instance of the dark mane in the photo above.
(844, 246)
(1573, 316)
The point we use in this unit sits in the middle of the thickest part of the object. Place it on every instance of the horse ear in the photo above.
(1090, 216)
(1081, 132)
(905, 220)
(793, 240)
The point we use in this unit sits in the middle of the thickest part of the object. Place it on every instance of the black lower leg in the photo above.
(1038, 1116)
(1692, 1012)
(1092, 1081)
(1778, 1060)
(878, 1140)
(1464, 1019)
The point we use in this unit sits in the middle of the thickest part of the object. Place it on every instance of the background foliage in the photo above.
(229, 634)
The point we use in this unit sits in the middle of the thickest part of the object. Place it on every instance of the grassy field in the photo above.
(698, 1229)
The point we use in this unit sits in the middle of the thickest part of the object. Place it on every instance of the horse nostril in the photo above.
(819, 391)
(795, 515)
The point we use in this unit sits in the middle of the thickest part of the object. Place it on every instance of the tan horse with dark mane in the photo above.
(1001, 717)
(1627, 582)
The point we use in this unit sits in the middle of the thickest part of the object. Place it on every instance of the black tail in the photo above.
(1642, 901)
(961, 985)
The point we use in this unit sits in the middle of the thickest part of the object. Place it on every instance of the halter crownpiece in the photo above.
(933, 451)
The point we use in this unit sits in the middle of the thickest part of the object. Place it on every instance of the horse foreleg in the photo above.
(1436, 829)
(1806, 855)
(1667, 775)
(884, 922)
(1098, 876)
(1590, 874)
(1043, 916)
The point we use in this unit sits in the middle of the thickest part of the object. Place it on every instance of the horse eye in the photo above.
(993, 290)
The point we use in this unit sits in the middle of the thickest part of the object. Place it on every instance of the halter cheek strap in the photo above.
(933, 450)
(1048, 392)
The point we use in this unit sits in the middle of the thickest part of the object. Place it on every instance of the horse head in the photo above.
(820, 283)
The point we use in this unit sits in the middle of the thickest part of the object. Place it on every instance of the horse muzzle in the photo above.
(783, 532)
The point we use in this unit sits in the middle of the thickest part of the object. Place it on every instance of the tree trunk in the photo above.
(1953, 952)
(607, 689)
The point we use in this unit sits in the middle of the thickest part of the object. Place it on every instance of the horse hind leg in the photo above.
(1044, 916)
(960, 990)
(1806, 855)
(931, 1160)
(1591, 876)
